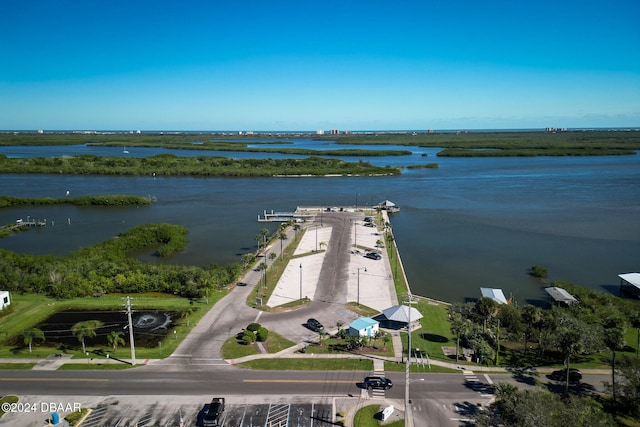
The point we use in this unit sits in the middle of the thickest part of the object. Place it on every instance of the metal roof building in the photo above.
(397, 317)
(630, 282)
(560, 296)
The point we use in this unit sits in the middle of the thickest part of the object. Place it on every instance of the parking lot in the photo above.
(123, 413)
(168, 411)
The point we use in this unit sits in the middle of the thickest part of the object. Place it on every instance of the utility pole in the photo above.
(133, 347)
(408, 421)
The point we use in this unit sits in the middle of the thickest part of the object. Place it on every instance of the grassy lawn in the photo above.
(334, 346)
(94, 365)
(17, 365)
(8, 399)
(435, 332)
(310, 364)
(362, 310)
(367, 417)
(275, 269)
(29, 310)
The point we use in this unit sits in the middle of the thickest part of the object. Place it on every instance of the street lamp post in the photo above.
(300, 280)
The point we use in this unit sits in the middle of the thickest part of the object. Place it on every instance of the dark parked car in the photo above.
(214, 413)
(561, 375)
(377, 382)
(373, 255)
(369, 224)
(314, 325)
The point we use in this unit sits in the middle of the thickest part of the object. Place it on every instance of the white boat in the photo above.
(125, 151)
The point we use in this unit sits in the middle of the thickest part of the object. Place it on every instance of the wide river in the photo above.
(471, 223)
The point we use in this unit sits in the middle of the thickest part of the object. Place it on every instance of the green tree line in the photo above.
(107, 200)
(501, 144)
(172, 165)
(108, 267)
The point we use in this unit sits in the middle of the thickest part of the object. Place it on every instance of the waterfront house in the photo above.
(560, 296)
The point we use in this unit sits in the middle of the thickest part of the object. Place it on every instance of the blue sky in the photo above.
(307, 65)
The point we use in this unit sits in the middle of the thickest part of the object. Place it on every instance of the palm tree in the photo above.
(614, 340)
(246, 260)
(259, 239)
(459, 327)
(186, 313)
(635, 323)
(282, 236)
(31, 334)
(530, 316)
(115, 339)
(86, 329)
(264, 233)
(486, 308)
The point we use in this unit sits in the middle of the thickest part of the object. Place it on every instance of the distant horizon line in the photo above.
(330, 132)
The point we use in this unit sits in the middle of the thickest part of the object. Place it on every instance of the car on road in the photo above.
(314, 325)
(369, 224)
(377, 382)
(212, 418)
(561, 375)
(242, 283)
(373, 255)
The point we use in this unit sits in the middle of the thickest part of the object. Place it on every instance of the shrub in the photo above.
(538, 271)
(76, 416)
(262, 334)
(254, 326)
(248, 337)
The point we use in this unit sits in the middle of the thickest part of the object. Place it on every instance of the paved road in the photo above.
(437, 398)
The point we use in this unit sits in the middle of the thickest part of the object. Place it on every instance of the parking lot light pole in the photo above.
(301, 281)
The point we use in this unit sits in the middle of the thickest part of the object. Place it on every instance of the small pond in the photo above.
(149, 327)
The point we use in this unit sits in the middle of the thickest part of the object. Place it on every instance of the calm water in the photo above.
(471, 223)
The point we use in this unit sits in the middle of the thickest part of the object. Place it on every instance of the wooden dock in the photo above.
(283, 216)
(33, 223)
